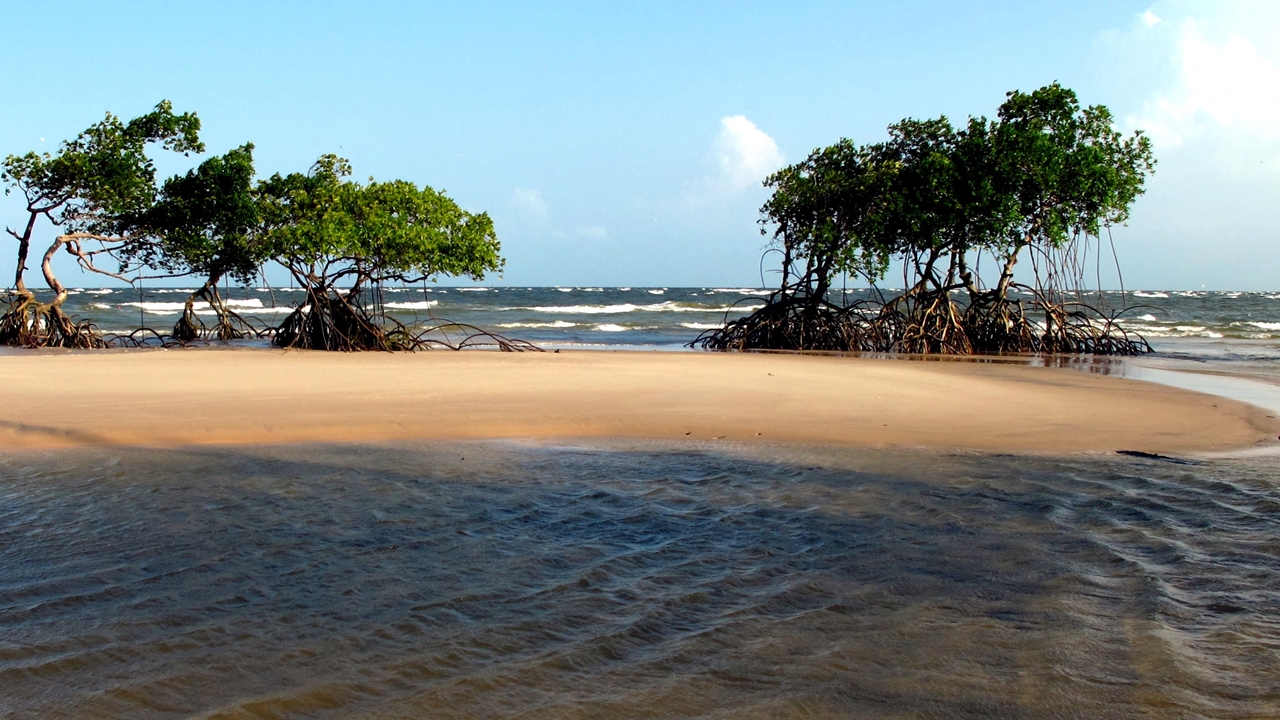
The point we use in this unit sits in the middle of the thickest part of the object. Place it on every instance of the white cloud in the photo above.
(747, 154)
(1204, 82)
(531, 203)
(1149, 18)
(1227, 85)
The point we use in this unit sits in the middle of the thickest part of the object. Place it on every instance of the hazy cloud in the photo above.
(747, 154)
(531, 203)
(1149, 18)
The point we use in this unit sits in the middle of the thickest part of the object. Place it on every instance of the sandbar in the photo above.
(209, 396)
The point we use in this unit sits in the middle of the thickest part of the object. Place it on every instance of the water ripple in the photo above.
(499, 580)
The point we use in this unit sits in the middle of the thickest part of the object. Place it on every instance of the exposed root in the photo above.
(927, 322)
(792, 322)
(439, 336)
(33, 324)
(331, 320)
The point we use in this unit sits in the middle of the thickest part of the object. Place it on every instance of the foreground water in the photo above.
(635, 580)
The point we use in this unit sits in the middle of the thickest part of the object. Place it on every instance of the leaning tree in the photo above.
(1041, 181)
(342, 240)
(87, 190)
(205, 222)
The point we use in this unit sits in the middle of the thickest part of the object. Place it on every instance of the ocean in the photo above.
(622, 579)
(1232, 326)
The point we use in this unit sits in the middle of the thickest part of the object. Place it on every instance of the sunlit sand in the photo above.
(208, 396)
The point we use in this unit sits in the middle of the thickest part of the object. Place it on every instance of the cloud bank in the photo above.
(1225, 90)
(1203, 80)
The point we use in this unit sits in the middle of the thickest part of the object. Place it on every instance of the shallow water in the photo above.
(634, 580)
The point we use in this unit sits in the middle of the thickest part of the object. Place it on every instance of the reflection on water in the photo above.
(503, 580)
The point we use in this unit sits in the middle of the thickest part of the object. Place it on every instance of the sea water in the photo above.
(1229, 325)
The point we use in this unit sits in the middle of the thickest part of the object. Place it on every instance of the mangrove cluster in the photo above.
(958, 209)
(340, 240)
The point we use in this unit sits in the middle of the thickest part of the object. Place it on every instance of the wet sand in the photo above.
(180, 397)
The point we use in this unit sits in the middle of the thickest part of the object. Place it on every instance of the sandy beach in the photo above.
(165, 398)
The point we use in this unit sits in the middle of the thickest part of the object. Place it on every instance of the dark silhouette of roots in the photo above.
(326, 321)
(331, 320)
(927, 322)
(229, 325)
(30, 323)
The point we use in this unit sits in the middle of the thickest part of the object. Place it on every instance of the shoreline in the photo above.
(214, 396)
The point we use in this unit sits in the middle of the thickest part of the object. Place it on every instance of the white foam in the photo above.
(742, 291)
(1139, 293)
(103, 291)
(610, 327)
(701, 326)
(556, 324)
(474, 289)
(1266, 325)
(584, 309)
(419, 305)
(1148, 317)
(201, 308)
(160, 307)
(669, 306)
(562, 289)
(656, 292)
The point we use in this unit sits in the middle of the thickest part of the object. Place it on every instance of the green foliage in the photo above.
(204, 222)
(325, 228)
(827, 210)
(104, 173)
(1066, 170)
(1040, 180)
(1044, 172)
(336, 237)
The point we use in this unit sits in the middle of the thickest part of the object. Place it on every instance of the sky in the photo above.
(625, 143)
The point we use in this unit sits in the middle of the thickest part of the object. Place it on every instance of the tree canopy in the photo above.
(325, 228)
(86, 190)
(1040, 180)
(339, 239)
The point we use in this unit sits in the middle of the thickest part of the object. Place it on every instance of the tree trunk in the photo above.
(24, 247)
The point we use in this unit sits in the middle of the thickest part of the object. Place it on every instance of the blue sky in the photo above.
(623, 144)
